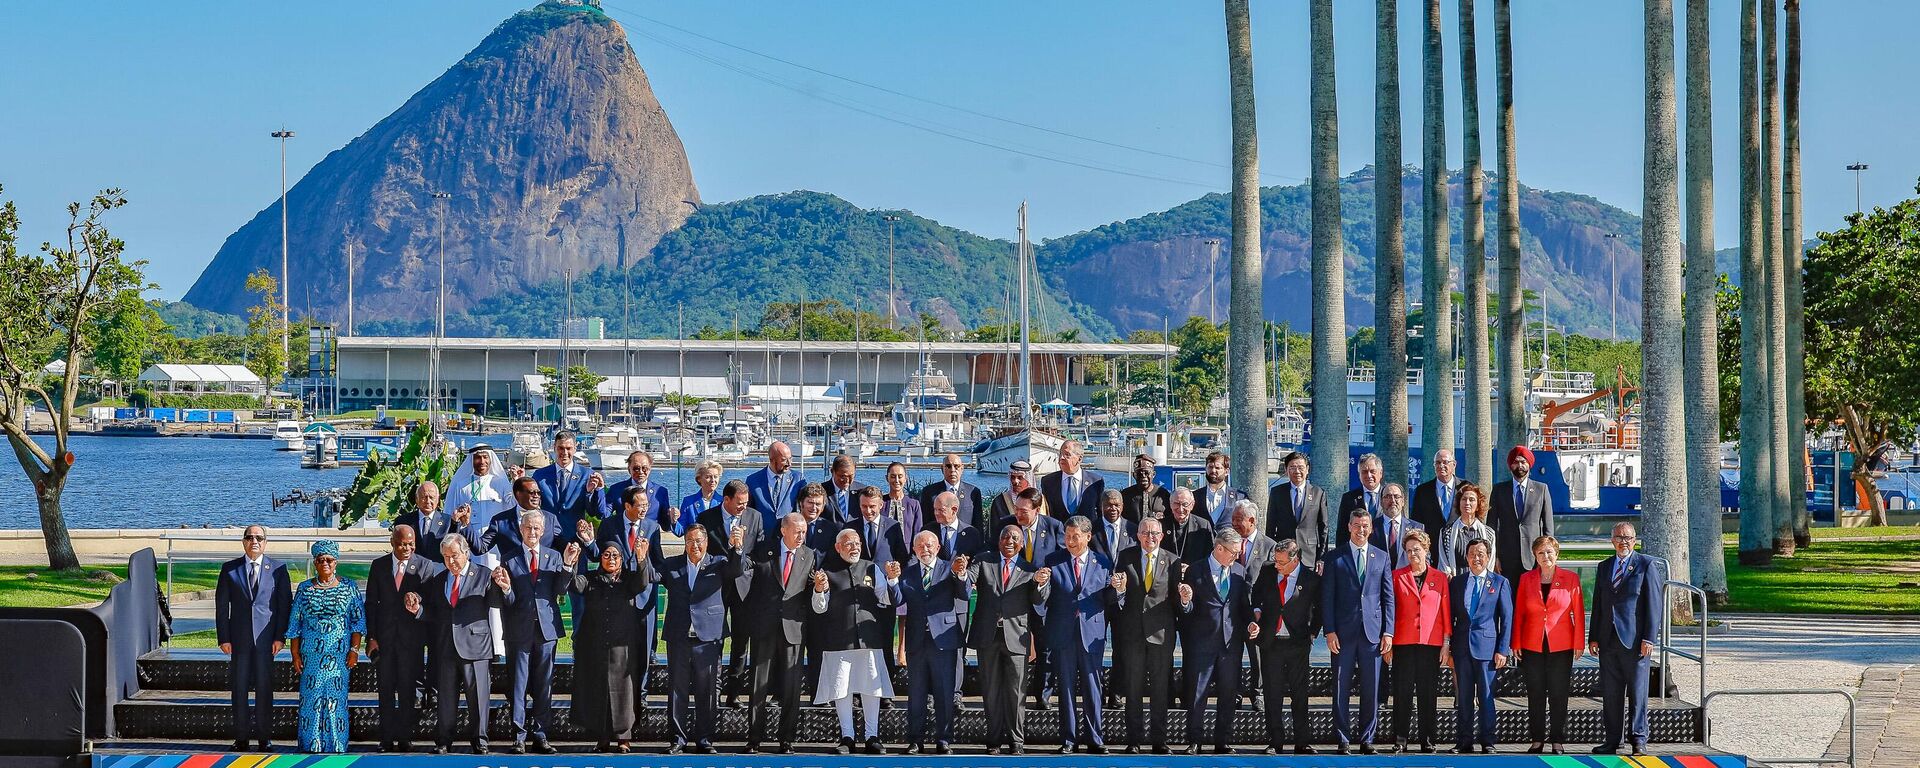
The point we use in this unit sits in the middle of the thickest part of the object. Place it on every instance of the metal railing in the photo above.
(1666, 640)
(1853, 729)
(296, 563)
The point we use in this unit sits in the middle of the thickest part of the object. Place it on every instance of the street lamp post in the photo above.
(890, 285)
(1613, 270)
(1213, 246)
(286, 299)
(1856, 168)
(440, 323)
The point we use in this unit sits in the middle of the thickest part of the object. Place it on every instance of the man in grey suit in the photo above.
(457, 600)
(1297, 509)
(539, 576)
(1522, 512)
(1007, 589)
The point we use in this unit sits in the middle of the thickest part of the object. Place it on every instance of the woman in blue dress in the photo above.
(329, 620)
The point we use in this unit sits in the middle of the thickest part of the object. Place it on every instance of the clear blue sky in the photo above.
(173, 102)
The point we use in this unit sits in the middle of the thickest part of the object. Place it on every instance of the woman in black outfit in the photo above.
(605, 647)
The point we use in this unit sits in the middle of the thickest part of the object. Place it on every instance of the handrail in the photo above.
(1853, 728)
(1666, 641)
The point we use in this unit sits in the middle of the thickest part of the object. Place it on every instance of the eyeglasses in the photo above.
(254, 537)
(1392, 496)
(1626, 538)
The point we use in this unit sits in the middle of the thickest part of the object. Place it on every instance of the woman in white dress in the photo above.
(850, 594)
(1469, 523)
(485, 485)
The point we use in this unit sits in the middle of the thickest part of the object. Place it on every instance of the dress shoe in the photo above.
(845, 747)
(993, 750)
(604, 747)
(1192, 749)
(1605, 749)
(1426, 747)
(266, 746)
(386, 746)
(541, 746)
(1305, 750)
(913, 749)
(943, 749)
(1161, 749)
(786, 747)
(1487, 749)
(874, 747)
(1342, 750)
(1639, 748)
(1258, 704)
(1367, 749)
(674, 749)
(438, 749)
(1536, 749)
(1133, 749)
(240, 746)
(1222, 749)
(623, 748)
(481, 748)
(1559, 749)
(752, 748)
(518, 748)
(1459, 749)
(1098, 749)
(1399, 746)
(1067, 748)
(704, 748)
(1017, 749)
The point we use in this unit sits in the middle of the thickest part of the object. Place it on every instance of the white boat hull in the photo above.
(294, 443)
(1039, 449)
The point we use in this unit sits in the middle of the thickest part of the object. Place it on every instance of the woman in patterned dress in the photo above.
(329, 620)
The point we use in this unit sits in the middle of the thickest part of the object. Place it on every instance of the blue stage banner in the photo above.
(902, 761)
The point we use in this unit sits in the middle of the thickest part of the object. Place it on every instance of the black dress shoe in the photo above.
(439, 749)
(874, 747)
(1367, 749)
(240, 746)
(1017, 749)
(943, 749)
(1639, 748)
(993, 750)
(786, 747)
(1098, 749)
(1426, 747)
(1399, 746)
(1305, 750)
(541, 746)
(1487, 749)
(674, 749)
(1067, 748)
(481, 749)
(1536, 749)
(913, 748)
(1559, 749)
(704, 748)
(1459, 749)
(1258, 706)
(1161, 749)
(605, 747)
(518, 748)
(1605, 750)
(752, 748)
(1133, 749)
(386, 746)
(845, 747)
(1192, 749)
(266, 746)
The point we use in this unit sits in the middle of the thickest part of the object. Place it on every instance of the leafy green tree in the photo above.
(264, 327)
(582, 382)
(47, 304)
(1862, 304)
(124, 334)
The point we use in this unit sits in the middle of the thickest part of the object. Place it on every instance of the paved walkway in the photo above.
(1889, 724)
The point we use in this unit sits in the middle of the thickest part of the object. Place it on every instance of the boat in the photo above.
(288, 436)
(611, 446)
(576, 418)
(330, 448)
(1021, 441)
(929, 409)
(528, 450)
(133, 428)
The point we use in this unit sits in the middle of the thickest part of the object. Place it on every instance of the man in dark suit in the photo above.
(1214, 501)
(1391, 526)
(1367, 496)
(251, 603)
(634, 524)
(1628, 595)
(1286, 617)
(430, 524)
(774, 611)
(539, 577)
(841, 487)
(695, 625)
(1189, 535)
(455, 602)
(1256, 551)
(1481, 639)
(1072, 490)
(1040, 536)
(774, 491)
(395, 638)
(502, 531)
(1144, 633)
(1076, 633)
(1214, 608)
(1146, 498)
(1433, 500)
(640, 474)
(1019, 479)
(721, 523)
(820, 530)
(570, 490)
(966, 495)
(1007, 590)
(881, 537)
(1112, 531)
(1522, 512)
(934, 629)
(952, 532)
(1297, 510)
(1356, 599)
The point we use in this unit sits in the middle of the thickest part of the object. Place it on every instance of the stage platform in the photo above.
(185, 698)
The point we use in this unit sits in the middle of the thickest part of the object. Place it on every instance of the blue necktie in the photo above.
(1446, 502)
(1473, 596)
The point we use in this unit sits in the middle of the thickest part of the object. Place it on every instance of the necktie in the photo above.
(1372, 507)
(1519, 500)
(1619, 572)
(779, 492)
(1393, 540)
(253, 577)
(1297, 511)
(1076, 573)
(1113, 539)
(947, 534)
(786, 567)
(453, 596)
(1147, 578)
(1360, 563)
(1283, 594)
(1073, 492)
(1006, 575)
(633, 537)
(1220, 583)
(1473, 595)
(1029, 543)
(926, 576)
(1246, 550)
(871, 541)
(399, 572)
(1446, 501)
(533, 565)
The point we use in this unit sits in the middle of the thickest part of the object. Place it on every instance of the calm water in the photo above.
(144, 482)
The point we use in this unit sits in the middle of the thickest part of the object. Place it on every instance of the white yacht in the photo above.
(287, 436)
(929, 409)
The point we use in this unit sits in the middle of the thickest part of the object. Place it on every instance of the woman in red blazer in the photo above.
(1421, 619)
(1549, 631)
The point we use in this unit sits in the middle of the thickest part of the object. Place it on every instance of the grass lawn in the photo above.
(1830, 532)
(52, 589)
(1862, 577)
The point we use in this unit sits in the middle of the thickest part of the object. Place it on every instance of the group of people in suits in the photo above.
(834, 585)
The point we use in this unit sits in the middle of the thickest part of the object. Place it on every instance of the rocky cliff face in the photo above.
(548, 140)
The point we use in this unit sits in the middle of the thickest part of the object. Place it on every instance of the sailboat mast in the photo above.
(566, 352)
(1026, 372)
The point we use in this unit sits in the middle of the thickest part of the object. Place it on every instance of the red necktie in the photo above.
(454, 599)
(786, 568)
(1280, 622)
(533, 564)
(1006, 575)
(1076, 571)
(1283, 589)
(633, 537)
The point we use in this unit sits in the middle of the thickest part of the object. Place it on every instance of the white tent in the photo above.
(182, 377)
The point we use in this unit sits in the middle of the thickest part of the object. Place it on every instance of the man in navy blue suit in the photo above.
(722, 522)
(935, 593)
(1356, 594)
(1072, 490)
(842, 504)
(539, 576)
(1112, 531)
(570, 490)
(695, 625)
(1076, 628)
(774, 491)
(1214, 602)
(639, 474)
(956, 537)
(503, 530)
(251, 603)
(1391, 526)
(1628, 594)
(1479, 644)
(429, 522)
(881, 540)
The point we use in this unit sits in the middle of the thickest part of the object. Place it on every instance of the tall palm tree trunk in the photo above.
(1775, 287)
(1705, 551)
(1478, 462)
(1329, 263)
(1513, 313)
(1756, 447)
(1390, 252)
(1246, 338)
(1796, 315)
(1663, 467)
(1436, 275)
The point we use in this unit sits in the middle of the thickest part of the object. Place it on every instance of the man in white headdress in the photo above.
(481, 489)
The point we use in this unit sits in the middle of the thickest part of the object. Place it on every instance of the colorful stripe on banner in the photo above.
(594, 760)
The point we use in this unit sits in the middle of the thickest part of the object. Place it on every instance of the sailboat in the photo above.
(1021, 440)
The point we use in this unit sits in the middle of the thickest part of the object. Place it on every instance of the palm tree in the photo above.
(1473, 245)
(1663, 467)
(1703, 361)
(1390, 254)
(1756, 449)
(1436, 289)
(1775, 293)
(1329, 262)
(1513, 313)
(1796, 348)
(1246, 350)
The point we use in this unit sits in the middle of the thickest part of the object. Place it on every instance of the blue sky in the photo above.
(174, 102)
